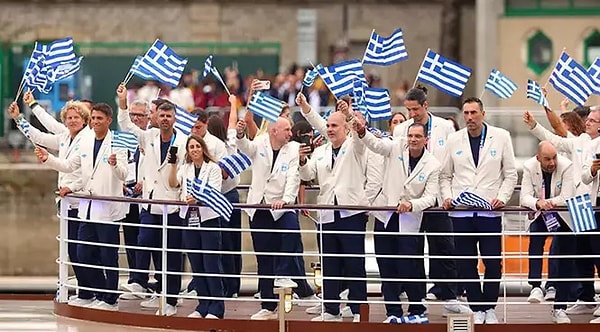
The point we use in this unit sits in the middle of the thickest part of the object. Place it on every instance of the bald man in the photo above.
(547, 182)
(275, 181)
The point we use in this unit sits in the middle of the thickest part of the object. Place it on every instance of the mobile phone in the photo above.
(597, 155)
(172, 155)
(306, 140)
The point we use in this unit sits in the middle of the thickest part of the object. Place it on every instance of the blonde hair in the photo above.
(80, 107)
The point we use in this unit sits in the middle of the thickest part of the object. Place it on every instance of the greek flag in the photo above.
(500, 85)
(339, 77)
(572, 80)
(378, 132)
(163, 64)
(64, 70)
(358, 97)
(139, 71)
(534, 92)
(470, 199)
(385, 51)
(184, 120)
(581, 213)
(449, 76)
(36, 77)
(124, 140)
(311, 75)
(235, 164)
(266, 106)
(23, 126)
(378, 104)
(551, 221)
(59, 51)
(208, 66)
(594, 72)
(210, 197)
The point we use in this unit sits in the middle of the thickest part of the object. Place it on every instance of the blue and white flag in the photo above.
(208, 66)
(59, 51)
(139, 71)
(572, 80)
(266, 106)
(184, 120)
(534, 92)
(378, 104)
(124, 140)
(64, 70)
(500, 85)
(339, 78)
(581, 213)
(470, 199)
(235, 164)
(210, 197)
(385, 51)
(594, 72)
(311, 75)
(36, 77)
(358, 97)
(163, 64)
(551, 221)
(448, 76)
(378, 132)
(24, 126)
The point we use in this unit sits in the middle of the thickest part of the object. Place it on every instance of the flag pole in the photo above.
(313, 65)
(548, 80)
(218, 75)
(422, 63)
(362, 60)
(22, 84)
(482, 92)
(130, 73)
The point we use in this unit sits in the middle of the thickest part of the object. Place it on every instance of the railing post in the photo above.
(63, 268)
(163, 269)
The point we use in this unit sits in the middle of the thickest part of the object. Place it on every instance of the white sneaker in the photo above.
(168, 310)
(356, 318)
(308, 301)
(595, 320)
(559, 316)
(257, 295)
(314, 310)
(285, 283)
(550, 294)
(455, 307)
(130, 296)
(105, 306)
(93, 304)
(391, 320)
(73, 297)
(327, 317)
(579, 308)
(77, 302)
(479, 317)
(597, 312)
(151, 303)
(194, 314)
(134, 287)
(264, 314)
(191, 293)
(211, 316)
(490, 316)
(431, 297)
(536, 295)
(346, 312)
(344, 294)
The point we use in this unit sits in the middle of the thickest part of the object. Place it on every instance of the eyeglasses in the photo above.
(137, 115)
(592, 120)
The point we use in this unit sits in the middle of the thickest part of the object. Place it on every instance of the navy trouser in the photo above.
(271, 242)
(232, 242)
(152, 238)
(489, 245)
(588, 244)
(564, 243)
(195, 238)
(345, 267)
(81, 273)
(438, 228)
(107, 256)
(130, 236)
(389, 241)
(536, 248)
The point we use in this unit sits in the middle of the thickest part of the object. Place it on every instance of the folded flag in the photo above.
(311, 75)
(124, 140)
(207, 66)
(470, 199)
(235, 164)
(534, 92)
(581, 213)
(385, 51)
(551, 221)
(266, 106)
(500, 85)
(210, 197)
(23, 126)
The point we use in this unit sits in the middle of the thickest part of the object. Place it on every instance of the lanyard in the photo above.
(482, 139)
(428, 131)
(543, 189)
(173, 138)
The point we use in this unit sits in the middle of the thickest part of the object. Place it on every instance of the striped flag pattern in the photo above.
(51, 63)
(23, 126)
(124, 140)
(385, 51)
(594, 72)
(235, 164)
(448, 76)
(64, 70)
(163, 63)
(534, 92)
(551, 221)
(140, 71)
(184, 120)
(266, 106)
(470, 199)
(572, 80)
(210, 197)
(58, 51)
(581, 213)
(311, 75)
(500, 85)
(378, 104)
(339, 78)
(207, 66)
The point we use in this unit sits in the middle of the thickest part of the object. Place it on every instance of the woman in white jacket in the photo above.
(200, 164)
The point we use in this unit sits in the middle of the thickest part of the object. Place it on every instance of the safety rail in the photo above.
(520, 278)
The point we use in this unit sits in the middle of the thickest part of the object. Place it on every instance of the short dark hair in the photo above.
(104, 108)
(419, 94)
(582, 111)
(159, 101)
(216, 127)
(201, 113)
(166, 106)
(473, 100)
(418, 125)
(300, 128)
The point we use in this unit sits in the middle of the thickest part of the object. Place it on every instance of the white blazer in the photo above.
(440, 130)
(562, 184)
(420, 187)
(574, 146)
(155, 174)
(281, 182)
(210, 173)
(98, 178)
(495, 176)
(592, 182)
